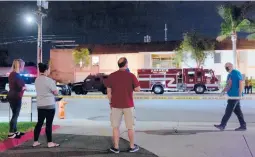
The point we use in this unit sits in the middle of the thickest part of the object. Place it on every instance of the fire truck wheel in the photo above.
(158, 89)
(199, 89)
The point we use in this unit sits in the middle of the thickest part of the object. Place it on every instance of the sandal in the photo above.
(54, 145)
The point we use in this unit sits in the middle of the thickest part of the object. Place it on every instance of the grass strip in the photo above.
(22, 127)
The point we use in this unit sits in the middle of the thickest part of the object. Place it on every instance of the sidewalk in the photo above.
(75, 146)
(82, 138)
(170, 139)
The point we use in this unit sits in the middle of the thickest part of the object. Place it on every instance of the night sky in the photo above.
(103, 22)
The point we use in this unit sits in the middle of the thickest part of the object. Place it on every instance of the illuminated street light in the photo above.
(39, 20)
(29, 19)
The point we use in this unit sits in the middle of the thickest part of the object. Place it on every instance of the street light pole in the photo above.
(39, 37)
(40, 15)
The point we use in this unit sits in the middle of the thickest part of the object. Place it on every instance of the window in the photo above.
(217, 57)
(95, 60)
(163, 61)
(191, 73)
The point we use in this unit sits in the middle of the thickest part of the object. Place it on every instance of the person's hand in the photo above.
(110, 105)
(24, 88)
(240, 95)
(222, 93)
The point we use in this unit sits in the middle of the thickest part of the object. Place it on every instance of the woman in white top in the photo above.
(46, 90)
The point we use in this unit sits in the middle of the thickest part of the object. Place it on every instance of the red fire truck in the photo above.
(174, 80)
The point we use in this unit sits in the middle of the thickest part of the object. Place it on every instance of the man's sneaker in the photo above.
(14, 136)
(114, 150)
(19, 133)
(220, 127)
(241, 128)
(133, 150)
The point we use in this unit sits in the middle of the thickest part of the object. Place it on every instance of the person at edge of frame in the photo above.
(234, 88)
(246, 86)
(250, 85)
(14, 96)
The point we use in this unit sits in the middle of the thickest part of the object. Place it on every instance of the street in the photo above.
(147, 110)
(183, 127)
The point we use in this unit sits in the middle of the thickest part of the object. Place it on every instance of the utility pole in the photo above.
(40, 15)
(165, 32)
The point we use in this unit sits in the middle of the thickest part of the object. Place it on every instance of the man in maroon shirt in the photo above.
(120, 86)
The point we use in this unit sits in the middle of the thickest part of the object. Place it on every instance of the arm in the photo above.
(109, 89)
(109, 94)
(136, 84)
(53, 87)
(241, 84)
(240, 87)
(228, 85)
(20, 82)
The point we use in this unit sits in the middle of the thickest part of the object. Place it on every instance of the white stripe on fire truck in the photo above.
(154, 79)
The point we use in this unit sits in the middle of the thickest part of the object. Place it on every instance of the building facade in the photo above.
(147, 55)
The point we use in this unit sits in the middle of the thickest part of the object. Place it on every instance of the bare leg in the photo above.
(116, 137)
(131, 137)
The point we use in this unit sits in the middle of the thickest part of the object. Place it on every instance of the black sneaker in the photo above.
(19, 133)
(241, 128)
(133, 150)
(12, 136)
(220, 127)
(114, 150)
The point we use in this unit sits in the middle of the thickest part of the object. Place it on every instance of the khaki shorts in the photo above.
(129, 117)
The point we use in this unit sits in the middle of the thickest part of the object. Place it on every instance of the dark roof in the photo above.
(159, 46)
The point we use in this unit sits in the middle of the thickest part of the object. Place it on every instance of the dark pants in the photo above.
(15, 105)
(233, 106)
(43, 114)
(248, 89)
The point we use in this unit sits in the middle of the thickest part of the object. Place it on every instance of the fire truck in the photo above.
(176, 80)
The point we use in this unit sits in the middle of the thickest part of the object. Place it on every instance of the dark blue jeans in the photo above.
(233, 106)
(15, 107)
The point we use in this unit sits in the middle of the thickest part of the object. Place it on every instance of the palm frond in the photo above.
(249, 28)
(221, 37)
(244, 24)
(225, 13)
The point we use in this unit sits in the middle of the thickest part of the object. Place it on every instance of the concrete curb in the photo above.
(11, 143)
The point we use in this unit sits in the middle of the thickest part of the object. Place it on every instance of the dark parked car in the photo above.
(92, 83)
(64, 89)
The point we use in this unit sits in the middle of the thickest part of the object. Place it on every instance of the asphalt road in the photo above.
(148, 110)
(75, 146)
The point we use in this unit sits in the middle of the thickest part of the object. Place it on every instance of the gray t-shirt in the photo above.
(44, 89)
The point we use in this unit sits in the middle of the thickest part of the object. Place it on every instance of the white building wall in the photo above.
(226, 56)
(251, 63)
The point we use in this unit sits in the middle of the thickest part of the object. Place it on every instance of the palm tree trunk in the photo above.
(234, 38)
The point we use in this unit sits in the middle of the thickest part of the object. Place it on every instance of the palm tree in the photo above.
(234, 21)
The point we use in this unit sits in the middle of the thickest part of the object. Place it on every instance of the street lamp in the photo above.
(29, 19)
(39, 19)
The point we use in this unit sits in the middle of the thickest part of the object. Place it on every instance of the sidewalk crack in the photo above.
(248, 146)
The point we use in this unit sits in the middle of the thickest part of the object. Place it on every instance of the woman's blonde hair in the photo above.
(17, 64)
